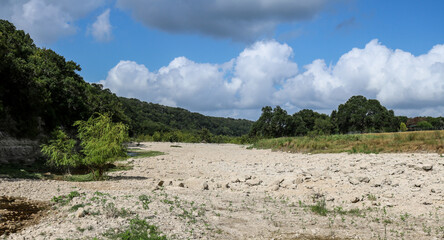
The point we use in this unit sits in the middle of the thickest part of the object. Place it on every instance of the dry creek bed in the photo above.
(209, 191)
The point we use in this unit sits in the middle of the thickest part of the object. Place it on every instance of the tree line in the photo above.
(357, 115)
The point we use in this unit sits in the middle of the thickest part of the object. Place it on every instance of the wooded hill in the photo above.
(41, 91)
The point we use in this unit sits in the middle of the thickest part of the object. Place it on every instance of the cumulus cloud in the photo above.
(101, 29)
(265, 74)
(239, 20)
(46, 20)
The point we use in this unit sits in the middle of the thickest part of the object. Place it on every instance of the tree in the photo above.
(323, 126)
(361, 115)
(403, 127)
(102, 142)
(424, 125)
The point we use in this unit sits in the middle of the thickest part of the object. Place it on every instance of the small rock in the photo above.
(354, 181)
(205, 186)
(181, 184)
(80, 213)
(160, 183)
(364, 179)
(253, 182)
(427, 167)
(418, 184)
(356, 200)
(274, 188)
(427, 203)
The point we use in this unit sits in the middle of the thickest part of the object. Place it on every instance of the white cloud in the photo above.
(239, 20)
(101, 29)
(265, 74)
(47, 20)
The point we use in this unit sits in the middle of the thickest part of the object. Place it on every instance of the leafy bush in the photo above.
(102, 142)
(61, 151)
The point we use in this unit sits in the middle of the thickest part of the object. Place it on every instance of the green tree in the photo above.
(361, 115)
(61, 151)
(424, 125)
(402, 127)
(102, 142)
(323, 126)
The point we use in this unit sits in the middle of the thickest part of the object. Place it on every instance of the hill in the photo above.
(147, 118)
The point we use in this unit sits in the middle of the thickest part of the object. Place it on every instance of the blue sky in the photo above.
(231, 57)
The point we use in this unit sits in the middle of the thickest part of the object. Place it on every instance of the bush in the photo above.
(61, 151)
(102, 142)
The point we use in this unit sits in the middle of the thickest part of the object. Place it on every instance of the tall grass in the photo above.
(424, 141)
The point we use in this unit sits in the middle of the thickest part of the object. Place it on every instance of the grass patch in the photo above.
(34, 171)
(423, 141)
(138, 229)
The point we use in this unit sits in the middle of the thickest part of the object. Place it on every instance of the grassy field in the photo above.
(421, 141)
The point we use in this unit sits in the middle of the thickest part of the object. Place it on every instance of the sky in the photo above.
(230, 58)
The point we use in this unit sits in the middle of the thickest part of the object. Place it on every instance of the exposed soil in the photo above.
(18, 213)
(208, 191)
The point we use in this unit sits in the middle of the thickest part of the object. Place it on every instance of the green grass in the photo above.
(138, 229)
(424, 141)
(34, 171)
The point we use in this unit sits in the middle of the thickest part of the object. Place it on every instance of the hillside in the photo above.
(147, 118)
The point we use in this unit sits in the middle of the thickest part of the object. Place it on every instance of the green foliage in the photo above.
(361, 115)
(424, 125)
(149, 118)
(402, 127)
(138, 229)
(61, 151)
(102, 142)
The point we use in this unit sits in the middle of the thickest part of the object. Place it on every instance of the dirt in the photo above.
(18, 213)
(209, 191)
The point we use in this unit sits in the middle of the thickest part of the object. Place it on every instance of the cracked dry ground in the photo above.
(209, 191)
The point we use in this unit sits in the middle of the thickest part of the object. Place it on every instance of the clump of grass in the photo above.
(320, 208)
(138, 229)
(424, 141)
(65, 199)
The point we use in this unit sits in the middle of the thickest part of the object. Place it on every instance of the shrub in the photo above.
(102, 142)
(61, 151)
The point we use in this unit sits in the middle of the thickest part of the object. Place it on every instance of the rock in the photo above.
(354, 181)
(364, 179)
(160, 183)
(427, 167)
(80, 213)
(418, 184)
(181, 184)
(427, 203)
(205, 186)
(274, 188)
(253, 182)
(236, 180)
(227, 185)
(355, 200)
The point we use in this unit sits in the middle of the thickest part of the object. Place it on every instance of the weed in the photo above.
(138, 229)
(146, 200)
(63, 200)
(320, 208)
